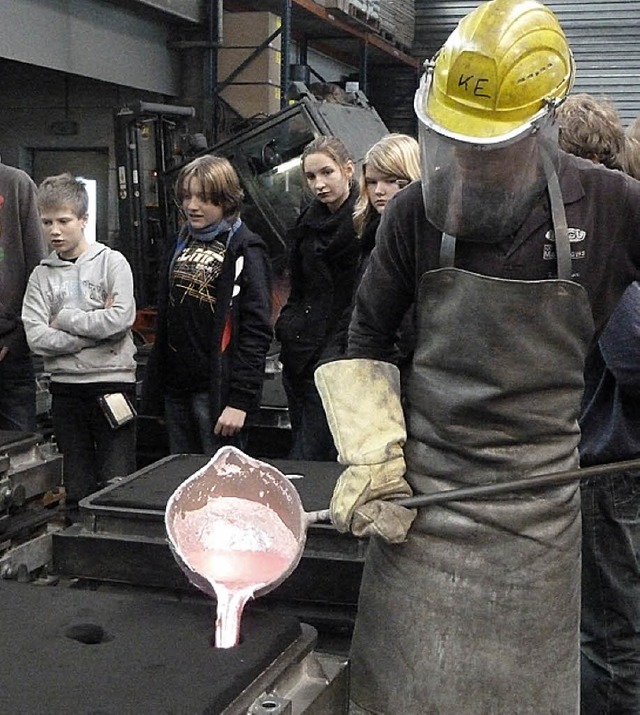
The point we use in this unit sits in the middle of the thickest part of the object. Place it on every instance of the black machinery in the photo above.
(152, 142)
(148, 143)
(68, 651)
(121, 539)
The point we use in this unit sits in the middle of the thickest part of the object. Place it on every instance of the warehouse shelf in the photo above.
(338, 34)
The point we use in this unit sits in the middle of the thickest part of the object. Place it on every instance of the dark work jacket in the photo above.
(406, 333)
(323, 263)
(237, 358)
(610, 419)
(366, 243)
(603, 214)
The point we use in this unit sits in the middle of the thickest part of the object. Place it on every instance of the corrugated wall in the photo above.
(604, 37)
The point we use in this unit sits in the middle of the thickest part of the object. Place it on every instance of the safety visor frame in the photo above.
(532, 126)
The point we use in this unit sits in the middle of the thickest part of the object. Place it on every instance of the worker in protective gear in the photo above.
(514, 254)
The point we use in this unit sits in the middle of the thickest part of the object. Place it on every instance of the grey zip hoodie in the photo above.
(66, 321)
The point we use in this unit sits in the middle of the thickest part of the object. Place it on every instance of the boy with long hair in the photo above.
(206, 369)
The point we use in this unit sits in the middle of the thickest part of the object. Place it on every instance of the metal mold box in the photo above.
(28, 462)
(121, 536)
(135, 652)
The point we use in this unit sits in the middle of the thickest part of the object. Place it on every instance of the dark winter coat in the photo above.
(366, 242)
(237, 358)
(406, 333)
(323, 264)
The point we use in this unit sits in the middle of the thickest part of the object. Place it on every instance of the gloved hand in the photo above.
(383, 518)
(357, 504)
(361, 399)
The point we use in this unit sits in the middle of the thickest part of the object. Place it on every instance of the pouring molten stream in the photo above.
(239, 547)
(230, 546)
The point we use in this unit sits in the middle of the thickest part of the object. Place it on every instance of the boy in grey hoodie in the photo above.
(77, 312)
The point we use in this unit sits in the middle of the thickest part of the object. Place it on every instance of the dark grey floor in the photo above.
(66, 650)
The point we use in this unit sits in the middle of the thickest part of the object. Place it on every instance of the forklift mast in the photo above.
(149, 141)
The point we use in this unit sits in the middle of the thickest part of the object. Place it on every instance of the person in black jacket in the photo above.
(323, 263)
(389, 165)
(610, 432)
(22, 247)
(214, 316)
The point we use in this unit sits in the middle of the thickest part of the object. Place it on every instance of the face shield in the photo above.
(483, 189)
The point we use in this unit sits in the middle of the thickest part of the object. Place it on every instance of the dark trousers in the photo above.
(93, 452)
(610, 647)
(17, 393)
(310, 433)
(190, 426)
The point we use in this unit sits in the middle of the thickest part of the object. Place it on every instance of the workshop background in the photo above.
(122, 93)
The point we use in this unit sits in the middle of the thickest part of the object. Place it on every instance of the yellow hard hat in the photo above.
(506, 63)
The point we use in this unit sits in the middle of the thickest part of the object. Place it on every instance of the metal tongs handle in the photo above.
(320, 515)
(553, 479)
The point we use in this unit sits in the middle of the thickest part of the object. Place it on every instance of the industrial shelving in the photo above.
(339, 34)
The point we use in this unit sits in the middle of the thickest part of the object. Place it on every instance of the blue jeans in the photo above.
(610, 661)
(310, 433)
(17, 393)
(190, 426)
(92, 451)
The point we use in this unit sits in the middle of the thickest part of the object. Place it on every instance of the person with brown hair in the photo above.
(633, 130)
(206, 368)
(590, 127)
(322, 272)
(630, 157)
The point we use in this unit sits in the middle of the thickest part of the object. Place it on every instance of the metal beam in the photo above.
(285, 51)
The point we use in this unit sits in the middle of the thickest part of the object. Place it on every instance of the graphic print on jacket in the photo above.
(72, 293)
(196, 271)
(193, 297)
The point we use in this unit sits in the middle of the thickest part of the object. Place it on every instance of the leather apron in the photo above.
(478, 612)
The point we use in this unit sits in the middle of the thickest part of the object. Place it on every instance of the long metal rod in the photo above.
(553, 479)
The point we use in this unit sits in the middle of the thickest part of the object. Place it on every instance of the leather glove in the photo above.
(385, 519)
(361, 399)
